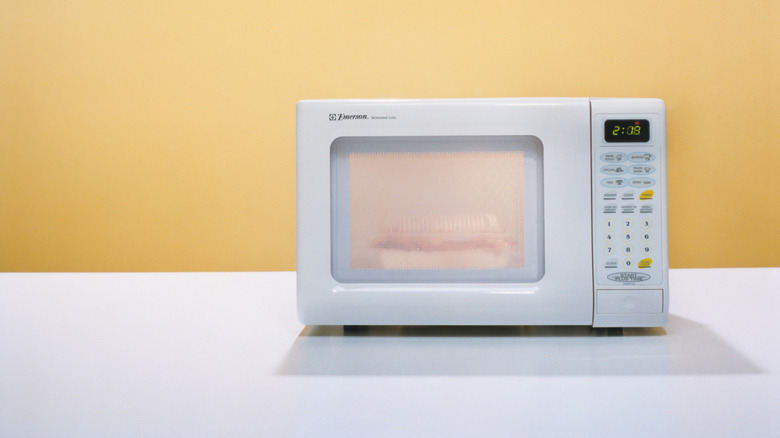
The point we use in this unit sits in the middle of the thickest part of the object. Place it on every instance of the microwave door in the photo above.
(480, 215)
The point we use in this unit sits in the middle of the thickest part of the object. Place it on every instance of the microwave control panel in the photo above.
(629, 191)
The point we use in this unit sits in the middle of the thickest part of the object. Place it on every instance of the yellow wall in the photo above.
(160, 135)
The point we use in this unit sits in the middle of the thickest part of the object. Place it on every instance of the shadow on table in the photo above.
(684, 347)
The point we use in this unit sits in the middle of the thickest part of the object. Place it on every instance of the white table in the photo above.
(222, 354)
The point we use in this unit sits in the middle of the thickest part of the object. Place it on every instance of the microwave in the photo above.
(508, 211)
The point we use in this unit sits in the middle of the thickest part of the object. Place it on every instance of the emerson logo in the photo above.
(337, 117)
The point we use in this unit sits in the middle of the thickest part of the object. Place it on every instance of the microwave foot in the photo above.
(615, 331)
(355, 328)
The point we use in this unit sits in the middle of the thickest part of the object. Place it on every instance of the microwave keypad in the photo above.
(626, 252)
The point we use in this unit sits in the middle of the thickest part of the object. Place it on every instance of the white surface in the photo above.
(222, 354)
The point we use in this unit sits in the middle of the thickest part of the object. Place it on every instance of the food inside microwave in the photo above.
(436, 210)
(444, 242)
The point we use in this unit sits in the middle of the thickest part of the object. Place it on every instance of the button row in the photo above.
(617, 169)
(619, 157)
(645, 223)
(628, 195)
(628, 209)
(639, 182)
(627, 236)
(628, 263)
(628, 250)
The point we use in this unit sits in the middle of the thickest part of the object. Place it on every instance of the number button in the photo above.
(627, 223)
(628, 250)
(646, 250)
(609, 250)
(628, 264)
(646, 237)
(627, 237)
(609, 237)
(646, 223)
(609, 223)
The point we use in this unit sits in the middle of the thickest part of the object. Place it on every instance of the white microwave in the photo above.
(543, 211)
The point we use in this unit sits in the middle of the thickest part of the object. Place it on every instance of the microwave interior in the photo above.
(417, 209)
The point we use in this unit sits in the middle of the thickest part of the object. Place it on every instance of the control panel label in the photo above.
(628, 277)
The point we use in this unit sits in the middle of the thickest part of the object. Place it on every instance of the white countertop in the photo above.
(222, 354)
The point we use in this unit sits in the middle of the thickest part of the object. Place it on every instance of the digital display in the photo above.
(627, 131)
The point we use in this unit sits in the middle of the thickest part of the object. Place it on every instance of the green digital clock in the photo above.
(627, 131)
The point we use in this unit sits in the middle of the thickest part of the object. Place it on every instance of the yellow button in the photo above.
(645, 263)
(647, 194)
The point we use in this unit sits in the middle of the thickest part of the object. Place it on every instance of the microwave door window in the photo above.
(429, 209)
(436, 210)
